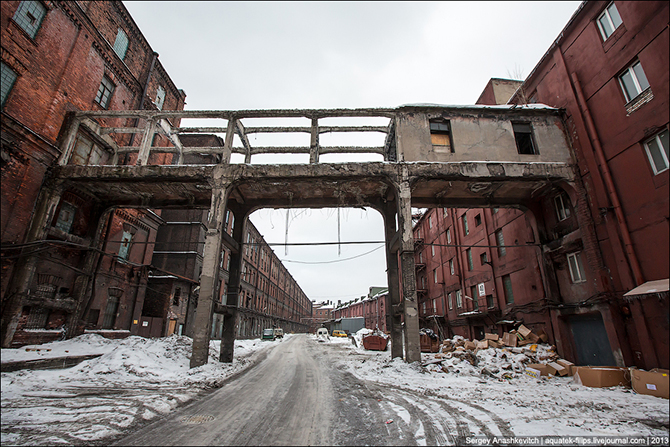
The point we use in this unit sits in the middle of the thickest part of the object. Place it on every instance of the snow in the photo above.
(137, 379)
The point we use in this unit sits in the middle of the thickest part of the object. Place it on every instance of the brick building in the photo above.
(321, 313)
(59, 57)
(374, 308)
(565, 266)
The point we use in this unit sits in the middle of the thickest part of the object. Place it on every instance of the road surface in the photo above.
(299, 394)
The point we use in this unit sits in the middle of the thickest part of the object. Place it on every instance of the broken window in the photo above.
(451, 266)
(160, 97)
(466, 230)
(657, 151)
(121, 44)
(478, 220)
(430, 221)
(507, 287)
(176, 297)
(29, 16)
(451, 304)
(37, 317)
(459, 299)
(66, 217)
(633, 81)
(609, 21)
(124, 249)
(105, 91)
(562, 209)
(8, 77)
(523, 135)
(475, 301)
(489, 301)
(468, 253)
(483, 258)
(576, 268)
(440, 136)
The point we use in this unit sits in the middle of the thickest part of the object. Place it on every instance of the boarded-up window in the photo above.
(110, 312)
(37, 318)
(86, 152)
(440, 136)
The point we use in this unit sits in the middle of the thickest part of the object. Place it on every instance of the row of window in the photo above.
(440, 135)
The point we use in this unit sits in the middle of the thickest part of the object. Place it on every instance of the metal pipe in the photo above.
(609, 182)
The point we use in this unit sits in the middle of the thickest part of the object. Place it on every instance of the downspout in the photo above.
(609, 182)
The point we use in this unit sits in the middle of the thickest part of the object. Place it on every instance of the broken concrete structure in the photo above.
(433, 155)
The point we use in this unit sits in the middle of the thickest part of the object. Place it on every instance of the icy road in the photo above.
(301, 394)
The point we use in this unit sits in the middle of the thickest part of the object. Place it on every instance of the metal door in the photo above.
(590, 340)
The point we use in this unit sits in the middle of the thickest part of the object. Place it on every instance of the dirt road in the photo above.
(301, 395)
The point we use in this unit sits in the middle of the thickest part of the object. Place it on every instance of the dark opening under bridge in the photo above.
(432, 155)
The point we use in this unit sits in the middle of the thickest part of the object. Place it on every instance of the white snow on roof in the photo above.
(481, 106)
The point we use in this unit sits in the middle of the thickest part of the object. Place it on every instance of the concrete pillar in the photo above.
(209, 278)
(412, 343)
(231, 319)
(24, 271)
(393, 311)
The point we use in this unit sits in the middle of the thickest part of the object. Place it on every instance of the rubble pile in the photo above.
(515, 353)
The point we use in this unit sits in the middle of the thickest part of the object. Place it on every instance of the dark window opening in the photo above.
(478, 220)
(524, 138)
(177, 296)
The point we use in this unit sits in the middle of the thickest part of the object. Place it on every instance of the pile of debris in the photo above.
(515, 353)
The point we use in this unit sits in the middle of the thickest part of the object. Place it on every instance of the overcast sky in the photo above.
(256, 55)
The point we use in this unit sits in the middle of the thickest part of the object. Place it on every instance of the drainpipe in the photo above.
(609, 182)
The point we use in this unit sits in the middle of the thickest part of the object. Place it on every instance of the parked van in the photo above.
(279, 332)
(337, 333)
(322, 332)
(268, 334)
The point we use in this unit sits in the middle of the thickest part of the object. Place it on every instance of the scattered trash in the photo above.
(390, 421)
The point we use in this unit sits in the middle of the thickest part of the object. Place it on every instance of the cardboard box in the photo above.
(654, 382)
(493, 337)
(560, 370)
(510, 340)
(545, 370)
(568, 365)
(532, 372)
(601, 376)
(469, 345)
(484, 344)
(494, 344)
(533, 337)
(524, 331)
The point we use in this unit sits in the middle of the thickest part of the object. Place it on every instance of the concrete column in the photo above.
(393, 311)
(147, 139)
(24, 271)
(231, 319)
(209, 278)
(412, 343)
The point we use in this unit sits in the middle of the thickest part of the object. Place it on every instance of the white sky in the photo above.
(257, 55)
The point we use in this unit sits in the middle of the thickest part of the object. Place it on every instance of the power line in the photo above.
(334, 261)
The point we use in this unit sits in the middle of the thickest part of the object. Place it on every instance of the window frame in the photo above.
(451, 304)
(64, 223)
(468, 255)
(562, 209)
(662, 150)
(23, 9)
(441, 128)
(100, 97)
(466, 229)
(6, 73)
(630, 69)
(606, 13)
(160, 97)
(500, 242)
(459, 299)
(508, 289)
(120, 47)
(578, 266)
(124, 247)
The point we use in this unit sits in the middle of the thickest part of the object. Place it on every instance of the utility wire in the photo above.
(334, 261)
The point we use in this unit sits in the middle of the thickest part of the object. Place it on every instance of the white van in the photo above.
(322, 332)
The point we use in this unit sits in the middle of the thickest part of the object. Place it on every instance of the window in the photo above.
(432, 250)
(176, 297)
(29, 16)
(420, 257)
(66, 217)
(7, 79)
(445, 212)
(160, 97)
(562, 209)
(483, 258)
(507, 286)
(489, 301)
(475, 298)
(423, 308)
(466, 230)
(633, 81)
(423, 282)
(430, 221)
(468, 253)
(495, 211)
(435, 276)
(434, 306)
(451, 304)
(104, 92)
(576, 268)
(86, 152)
(449, 235)
(523, 135)
(121, 44)
(451, 266)
(608, 21)
(125, 246)
(501, 243)
(37, 318)
(478, 220)
(459, 299)
(657, 151)
(440, 136)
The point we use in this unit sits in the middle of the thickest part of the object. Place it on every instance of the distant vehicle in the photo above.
(279, 332)
(268, 334)
(322, 332)
(337, 333)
